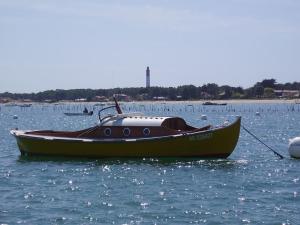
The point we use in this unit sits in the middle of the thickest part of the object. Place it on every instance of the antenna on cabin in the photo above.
(117, 106)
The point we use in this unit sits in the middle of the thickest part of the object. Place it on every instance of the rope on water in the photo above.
(276, 153)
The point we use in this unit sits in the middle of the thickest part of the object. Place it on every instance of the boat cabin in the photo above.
(127, 125)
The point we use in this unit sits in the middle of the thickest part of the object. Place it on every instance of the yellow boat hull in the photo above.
(214, 143)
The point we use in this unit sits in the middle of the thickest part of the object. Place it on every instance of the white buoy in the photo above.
(15, 117)
(294, 147)
(203, 117)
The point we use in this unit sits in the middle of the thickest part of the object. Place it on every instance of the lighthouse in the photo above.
(147, 77)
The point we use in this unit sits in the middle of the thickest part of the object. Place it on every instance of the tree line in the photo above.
(264, 89)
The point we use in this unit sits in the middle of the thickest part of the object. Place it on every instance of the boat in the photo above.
(25, 105)
(79, 113)
(11, 104)
(85, 112)
(133, 135)
(213, 103)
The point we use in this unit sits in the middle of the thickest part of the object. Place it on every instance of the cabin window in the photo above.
(146, 131)
(107, 132)
(126, 132)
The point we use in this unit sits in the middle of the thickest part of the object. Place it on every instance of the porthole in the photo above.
(146, 131)
(126, 132)
(107, 132)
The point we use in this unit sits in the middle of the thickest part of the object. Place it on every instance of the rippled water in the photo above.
(252, 186)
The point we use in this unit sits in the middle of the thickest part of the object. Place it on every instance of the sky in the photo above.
(61, 44)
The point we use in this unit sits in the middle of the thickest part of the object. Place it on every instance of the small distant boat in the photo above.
(213, 103)
(11, 105)
(79, 114)
(20, 105)
(133, 135)
(84, 113)
(25, 105)
(99, 104)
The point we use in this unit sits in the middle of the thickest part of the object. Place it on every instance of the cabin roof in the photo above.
(145, 121)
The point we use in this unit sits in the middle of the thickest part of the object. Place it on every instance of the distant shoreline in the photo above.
(229, 101)
(257, 101)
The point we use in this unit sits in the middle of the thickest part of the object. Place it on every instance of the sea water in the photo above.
(251, 186)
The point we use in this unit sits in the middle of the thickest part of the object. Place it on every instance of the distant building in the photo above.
(80, 100)
(160, 98)
(100, 99)
(122, 97)
(287, 93)
(5, 100)
(147, 77)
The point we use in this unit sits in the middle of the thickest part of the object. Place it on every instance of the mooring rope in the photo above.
(276, 153)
